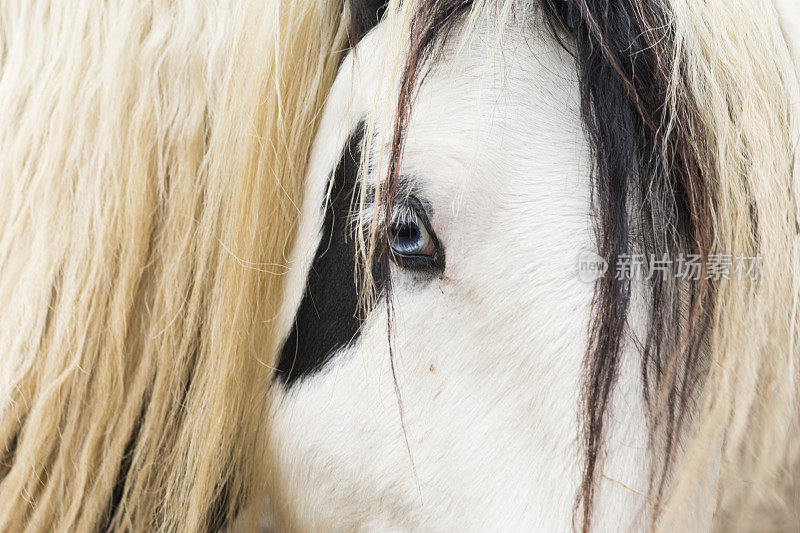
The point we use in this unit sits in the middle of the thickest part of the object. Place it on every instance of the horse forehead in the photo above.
(490, 119)
(495, 123)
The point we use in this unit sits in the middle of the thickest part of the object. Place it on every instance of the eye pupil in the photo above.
(407, 232)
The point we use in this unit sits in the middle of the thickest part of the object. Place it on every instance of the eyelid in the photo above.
(412, 207)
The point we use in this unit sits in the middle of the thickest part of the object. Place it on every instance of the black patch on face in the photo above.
(364, 15)
(328, 318)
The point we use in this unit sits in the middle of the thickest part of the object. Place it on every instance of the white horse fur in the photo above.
(489, 356)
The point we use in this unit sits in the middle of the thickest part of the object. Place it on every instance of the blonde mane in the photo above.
(741, 63)
(151, 162)
(151, 156)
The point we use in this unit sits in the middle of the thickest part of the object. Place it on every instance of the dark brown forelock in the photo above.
(651, 195)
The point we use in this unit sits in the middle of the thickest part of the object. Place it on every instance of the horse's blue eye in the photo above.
(409, 238)
(412, 243)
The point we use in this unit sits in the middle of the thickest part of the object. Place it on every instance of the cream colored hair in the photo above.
(742, 65)
(151, 156)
